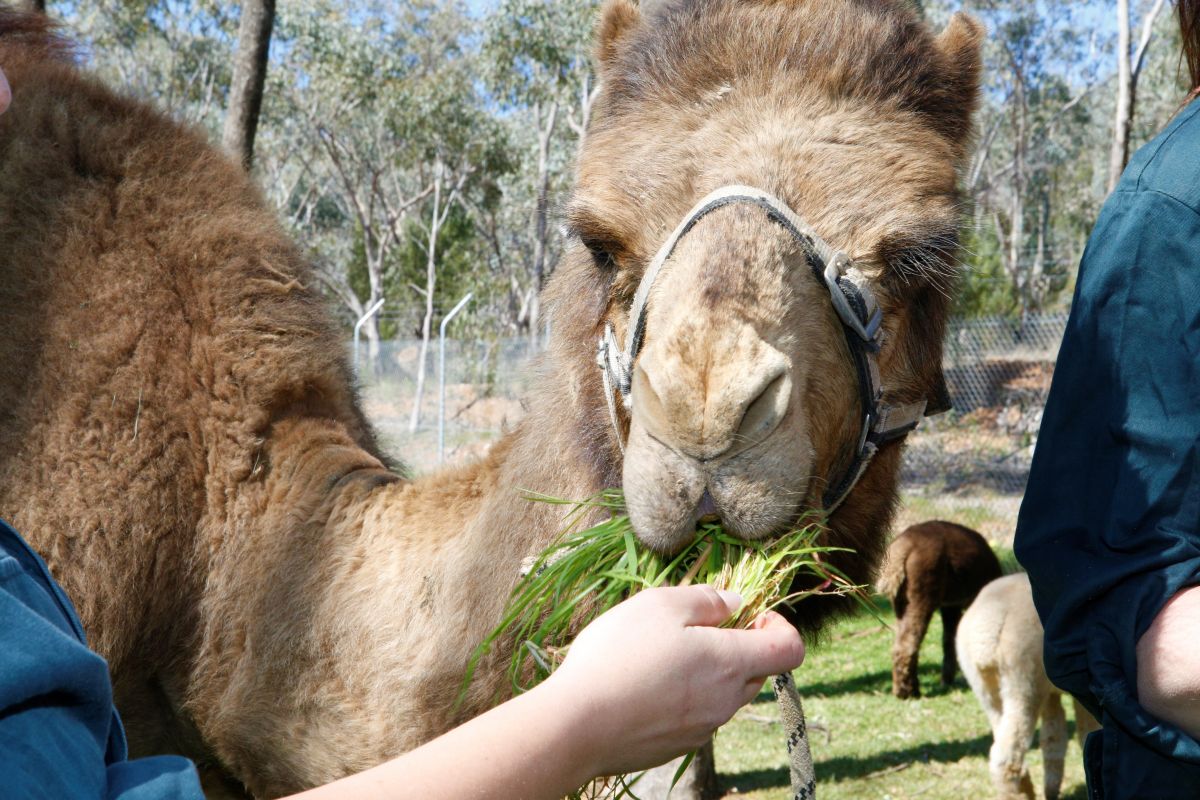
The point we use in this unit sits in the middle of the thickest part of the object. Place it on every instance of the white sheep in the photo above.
(999, 646)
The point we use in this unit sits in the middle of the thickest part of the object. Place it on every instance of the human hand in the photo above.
(5, 93)
(653, 677)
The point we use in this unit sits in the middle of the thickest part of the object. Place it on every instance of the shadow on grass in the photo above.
(849, 767)
(880, 682)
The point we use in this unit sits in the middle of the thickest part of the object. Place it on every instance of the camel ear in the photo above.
(617, 19)
(961, 48)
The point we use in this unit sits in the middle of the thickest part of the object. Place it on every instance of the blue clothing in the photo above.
(1110, 525)
(60, 736)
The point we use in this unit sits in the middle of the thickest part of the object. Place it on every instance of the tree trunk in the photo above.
(376, 251)
(541, 215)
(371, 331)
(1129, 68)
(1120, 143)
(1037, 282)
(249, 77)
(430, 285)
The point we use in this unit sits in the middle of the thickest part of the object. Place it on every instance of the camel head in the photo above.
(745, 399)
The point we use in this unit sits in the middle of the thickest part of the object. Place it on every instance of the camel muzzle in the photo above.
(851, 298)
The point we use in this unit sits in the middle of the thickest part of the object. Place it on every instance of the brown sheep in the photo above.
(999, 645)
(932, 566)
(180, 436)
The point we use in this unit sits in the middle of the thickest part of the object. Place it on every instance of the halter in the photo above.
(852, 299)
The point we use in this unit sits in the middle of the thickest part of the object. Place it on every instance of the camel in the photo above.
(932, 566)
(182, 442)
(1000, 649)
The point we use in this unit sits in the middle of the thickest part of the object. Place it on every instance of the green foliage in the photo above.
(176, 53)
(365, 97)
(984, 289)
(586, 572)
(533, 49)
(458, 255)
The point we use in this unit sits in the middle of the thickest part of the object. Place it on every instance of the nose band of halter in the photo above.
(852, 300)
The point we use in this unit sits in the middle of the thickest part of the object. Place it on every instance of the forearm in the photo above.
(1168, 663)
(534, 746)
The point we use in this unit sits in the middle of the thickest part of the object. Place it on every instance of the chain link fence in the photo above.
(969, 465)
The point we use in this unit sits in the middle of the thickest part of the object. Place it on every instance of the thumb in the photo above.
(704, 605)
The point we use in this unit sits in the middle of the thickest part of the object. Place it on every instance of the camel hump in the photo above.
(33, 35)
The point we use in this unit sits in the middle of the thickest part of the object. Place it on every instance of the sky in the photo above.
(479, 7)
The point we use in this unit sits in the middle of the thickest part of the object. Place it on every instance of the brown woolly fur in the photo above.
(181, 440)
(1189, 27)
(1000, 648)
(929, 567)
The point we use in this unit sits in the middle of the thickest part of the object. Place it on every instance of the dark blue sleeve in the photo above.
(1110, 525)
(60, 737)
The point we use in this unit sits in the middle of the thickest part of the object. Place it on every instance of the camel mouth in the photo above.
(707, 511)
(752, 495)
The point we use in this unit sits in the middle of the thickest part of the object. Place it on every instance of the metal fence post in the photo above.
(358, 327)
(442, 374)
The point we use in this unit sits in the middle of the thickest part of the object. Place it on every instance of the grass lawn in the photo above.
(877, 747)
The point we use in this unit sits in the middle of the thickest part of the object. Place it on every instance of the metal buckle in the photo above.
(868, 329)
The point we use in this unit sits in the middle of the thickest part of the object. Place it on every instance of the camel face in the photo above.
(745, 399)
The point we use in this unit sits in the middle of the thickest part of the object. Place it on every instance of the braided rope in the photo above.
(800, 763)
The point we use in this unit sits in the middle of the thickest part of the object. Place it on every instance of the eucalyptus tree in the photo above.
(1031, 178)
(374, 114)
(177, 55)
(1129, 69)
(537, 66)
(249, 77)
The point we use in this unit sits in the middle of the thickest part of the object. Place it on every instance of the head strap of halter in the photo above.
(852, 299)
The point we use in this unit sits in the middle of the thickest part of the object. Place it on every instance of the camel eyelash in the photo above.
(601, 246)
(602, 252)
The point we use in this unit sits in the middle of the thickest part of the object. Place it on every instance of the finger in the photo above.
(5, 93)
(690, 605)
(752, 690)
(704, 605)
(769, 650)
(769, 619)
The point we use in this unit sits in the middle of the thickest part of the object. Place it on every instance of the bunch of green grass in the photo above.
(586, 572)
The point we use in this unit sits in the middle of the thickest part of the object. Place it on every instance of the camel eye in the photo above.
(602, 252)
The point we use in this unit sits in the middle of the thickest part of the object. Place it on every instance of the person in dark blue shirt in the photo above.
(1110, 525)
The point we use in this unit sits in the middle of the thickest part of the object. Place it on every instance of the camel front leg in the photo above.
(698, 782)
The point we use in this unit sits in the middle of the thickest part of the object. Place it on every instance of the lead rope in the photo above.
(800, 763)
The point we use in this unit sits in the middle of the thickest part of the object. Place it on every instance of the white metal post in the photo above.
(442, 374)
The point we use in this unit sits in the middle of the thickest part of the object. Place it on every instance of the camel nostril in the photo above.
(765, 411)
